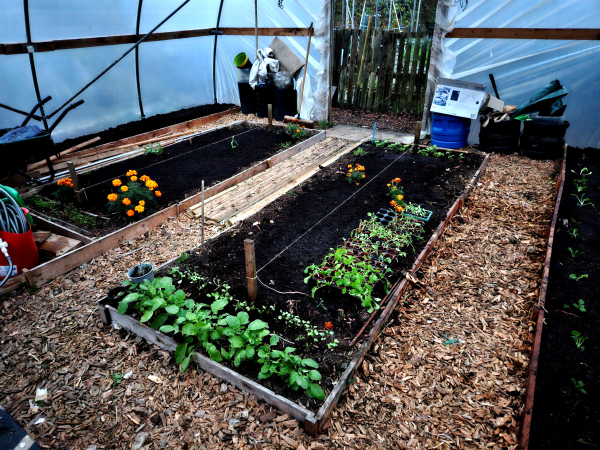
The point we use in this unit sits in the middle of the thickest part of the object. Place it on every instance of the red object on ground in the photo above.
(21, 249)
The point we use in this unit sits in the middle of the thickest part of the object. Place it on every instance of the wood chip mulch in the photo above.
(448, 372)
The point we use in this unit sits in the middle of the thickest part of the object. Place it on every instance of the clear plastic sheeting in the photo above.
(174, 74)
(522, 67)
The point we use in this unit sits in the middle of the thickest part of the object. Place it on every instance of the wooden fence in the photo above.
(388, 74)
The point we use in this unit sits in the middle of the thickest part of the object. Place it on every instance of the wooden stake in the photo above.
(250, 269)
(202, 237)
(76, 186)
(417, 133)
(310, 33)
(270, 107)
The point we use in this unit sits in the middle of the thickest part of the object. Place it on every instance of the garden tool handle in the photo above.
(30, 115)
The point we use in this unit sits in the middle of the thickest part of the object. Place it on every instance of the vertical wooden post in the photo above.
(76, 185)
(270, 108)
(250, 269)
(417, 133)
(256, 26)
(202, 236)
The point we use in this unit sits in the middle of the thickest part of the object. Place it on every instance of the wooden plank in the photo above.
(59, 245)
(380, 70)
(41, 236)
(418, 90)
(353, 55)
(405, 71)
(562, 34)
(537, 338)
(368, 68)
(400, 60)
(101, 41)
(55, 228)
(374, 70)
(138, 138)
(165, 342)
(413, 72)
(389, 72)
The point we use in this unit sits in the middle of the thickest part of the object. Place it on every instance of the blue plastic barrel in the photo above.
(449, 131)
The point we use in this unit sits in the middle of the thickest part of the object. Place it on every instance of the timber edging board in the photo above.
(538, 318)
(313, 423)
(51, 269)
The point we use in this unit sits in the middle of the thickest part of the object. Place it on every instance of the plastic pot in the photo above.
(242, 61)
(146, 268)
(116, 293)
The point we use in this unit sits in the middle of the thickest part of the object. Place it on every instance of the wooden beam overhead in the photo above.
(67, 44)
(561, 34)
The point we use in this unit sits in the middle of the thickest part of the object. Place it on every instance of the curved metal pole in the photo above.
(119, 59)
(214, 68)
(137, 60)
(32, 62)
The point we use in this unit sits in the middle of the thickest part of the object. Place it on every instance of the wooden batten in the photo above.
(559, 34)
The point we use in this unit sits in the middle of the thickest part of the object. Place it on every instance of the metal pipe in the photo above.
(10, 108)
(214, 67)
(137, 58)
(30, 115)
(120, 58)
(32, 63)
(62, 116)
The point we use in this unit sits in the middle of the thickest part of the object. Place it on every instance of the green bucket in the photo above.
(241, 61)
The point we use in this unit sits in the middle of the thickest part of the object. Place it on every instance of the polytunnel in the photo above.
(57, 49)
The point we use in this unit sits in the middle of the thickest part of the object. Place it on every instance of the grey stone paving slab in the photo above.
(358, 133)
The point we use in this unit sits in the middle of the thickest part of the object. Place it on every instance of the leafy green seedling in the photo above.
(579, 386)
(360, 152)
(583, 200)
(234, 143)
(579, 339)
(183, 257)
(574, 232)
(152, 150)
(578, 277)
(117, 378)
(580, 305)
(583, 441)
(575, 253)
(583, 172)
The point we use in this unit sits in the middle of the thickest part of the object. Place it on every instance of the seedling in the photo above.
(580, 305)
(324, 124)
(583, 200)
(579, 339)
(286, 144)
(234, 143)
(152, 150)
(581, 440)
(578, 277)
(579, 386)
(183, 257)
(583, 172)
(575, 253)
(117, 378)
(360, 152)
(574, 232)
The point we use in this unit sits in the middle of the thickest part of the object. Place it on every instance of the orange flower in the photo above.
(142, 202)
(126, 201)
(131, 173)
(328, 325)
(158, 193)
(144, 178)
(112, 197)
(295, 120)
(65, 182)
(133, 178)
(124, 188)
(151, 184)
(363, 175)
(117, 183)
(130, 213)
(394, 203)
(139, 208)
(389, 185)
(298, 130)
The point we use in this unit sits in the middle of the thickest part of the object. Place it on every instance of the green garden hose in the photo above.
(12, 220)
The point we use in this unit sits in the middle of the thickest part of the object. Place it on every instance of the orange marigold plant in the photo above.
(138, 191)
(355, 174)
(397, 195)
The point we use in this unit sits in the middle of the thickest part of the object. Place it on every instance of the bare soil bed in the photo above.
(563, 416)
(290, 235)
(148, 124)
(178, 171)
(387, 121)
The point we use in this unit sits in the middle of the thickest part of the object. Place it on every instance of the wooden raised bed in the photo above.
(45, 272)
(314, 423)
(538, 316)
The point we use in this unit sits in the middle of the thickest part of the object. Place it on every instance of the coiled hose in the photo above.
(12, 220)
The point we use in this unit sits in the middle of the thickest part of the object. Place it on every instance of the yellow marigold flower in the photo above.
(117, 183)
(124, 188)
(399, 209)
(112, 197)
(298, 130)
(126, 201)
(130, 213)
(363, 175)
(133, 178)
(349, 166)
(142, 202)
(150, 184)
(400, 197)
(144, 178)
(131, 173)
(139, 209)
(158, 193)
(393, 203)
(389, 185)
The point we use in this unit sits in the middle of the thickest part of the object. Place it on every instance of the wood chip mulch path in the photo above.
(448, 371)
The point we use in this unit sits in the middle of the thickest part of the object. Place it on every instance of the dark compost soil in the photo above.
(304, 224)
(563, 417)
(148, 124)
(179, 170)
